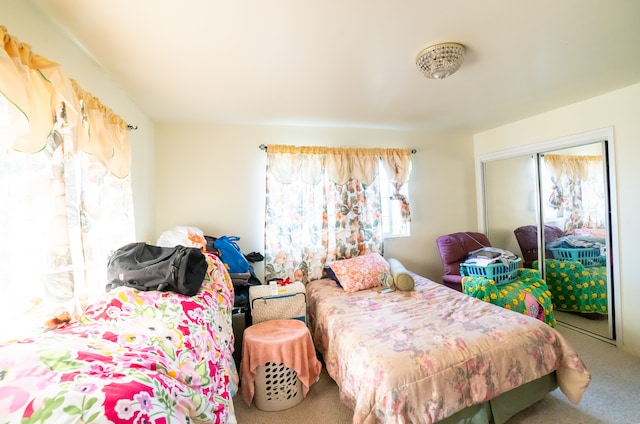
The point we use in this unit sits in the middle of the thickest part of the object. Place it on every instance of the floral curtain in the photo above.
(578, 192)
(323, 204)
(398, 167)
(64, 189)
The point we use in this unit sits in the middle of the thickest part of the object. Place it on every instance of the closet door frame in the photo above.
(557, 144)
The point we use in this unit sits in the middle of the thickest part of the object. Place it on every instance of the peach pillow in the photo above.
(361, 272)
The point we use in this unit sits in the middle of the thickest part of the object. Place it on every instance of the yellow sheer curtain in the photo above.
(64, 188)
(574, 167)
(35, 86)
(288, 162)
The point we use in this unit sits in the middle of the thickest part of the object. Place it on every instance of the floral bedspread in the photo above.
(421, 356)
(134, 357)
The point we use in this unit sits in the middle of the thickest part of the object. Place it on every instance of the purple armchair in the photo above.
(454, 249)
(527, 237)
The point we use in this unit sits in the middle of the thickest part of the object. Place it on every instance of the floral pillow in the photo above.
(361, 272)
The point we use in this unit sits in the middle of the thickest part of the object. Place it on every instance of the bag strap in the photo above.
(176, 258)
(472, 238)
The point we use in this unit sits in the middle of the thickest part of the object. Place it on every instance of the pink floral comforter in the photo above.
(135, 357)
(423, 355)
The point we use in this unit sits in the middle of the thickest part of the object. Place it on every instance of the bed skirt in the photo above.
(506, 405)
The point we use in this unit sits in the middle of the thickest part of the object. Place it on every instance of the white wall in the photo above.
(212, 177)
(31, 26)
(617, 109)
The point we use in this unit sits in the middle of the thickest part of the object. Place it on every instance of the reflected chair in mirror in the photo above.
(527, 237)
(454, 249)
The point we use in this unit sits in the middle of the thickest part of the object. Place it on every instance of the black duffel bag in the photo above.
(146, 267)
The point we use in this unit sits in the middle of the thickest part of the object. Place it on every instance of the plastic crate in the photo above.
(499, 273)
(586, 255)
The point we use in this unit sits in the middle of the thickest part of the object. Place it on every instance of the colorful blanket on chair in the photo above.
(577, 288)
(528, 294)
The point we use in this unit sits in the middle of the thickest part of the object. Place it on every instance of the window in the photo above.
(62, 213)
(392, 223)
(324, 204)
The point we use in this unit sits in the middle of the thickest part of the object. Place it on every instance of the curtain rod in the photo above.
(264, 147)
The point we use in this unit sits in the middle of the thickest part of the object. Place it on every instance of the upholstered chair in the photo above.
(454, 249)
(527, 237)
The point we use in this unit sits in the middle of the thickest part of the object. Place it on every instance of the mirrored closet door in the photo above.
(566, 192)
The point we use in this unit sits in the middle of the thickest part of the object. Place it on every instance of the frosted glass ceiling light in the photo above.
(440, 60)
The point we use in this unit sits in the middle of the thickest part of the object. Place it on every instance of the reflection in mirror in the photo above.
(566, 191)
(510, 199)
(573, 202)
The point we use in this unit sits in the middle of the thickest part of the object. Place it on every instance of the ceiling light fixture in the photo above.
(440, 60)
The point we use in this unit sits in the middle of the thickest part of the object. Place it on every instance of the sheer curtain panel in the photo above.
(64, 189)
(323, 204)
(576, 178)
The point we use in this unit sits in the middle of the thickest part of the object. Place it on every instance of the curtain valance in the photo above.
(574, 167)
(290, 163)
(36, 87)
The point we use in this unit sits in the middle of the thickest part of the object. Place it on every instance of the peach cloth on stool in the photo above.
(282, 341)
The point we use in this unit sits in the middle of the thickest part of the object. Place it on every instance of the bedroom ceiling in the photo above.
(352, 63)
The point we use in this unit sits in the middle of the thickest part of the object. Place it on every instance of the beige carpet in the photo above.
(613, 396)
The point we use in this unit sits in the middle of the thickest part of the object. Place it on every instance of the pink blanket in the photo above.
(421, 356)
(285, 342)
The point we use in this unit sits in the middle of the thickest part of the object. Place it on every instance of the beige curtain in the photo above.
(64, 189)
(578, 190)
(287, 163)
(36, 86)
(573, 167)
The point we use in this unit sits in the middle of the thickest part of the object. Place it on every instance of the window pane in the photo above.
(392, 223)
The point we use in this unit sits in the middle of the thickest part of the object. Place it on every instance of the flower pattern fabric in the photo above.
(308, 226)
(578, 191)
(577, 288)
(361, 272)
(514, 295)
(134, 357)
(421, 356)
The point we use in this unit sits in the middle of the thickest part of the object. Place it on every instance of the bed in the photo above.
(133, 357)
(433, 354)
